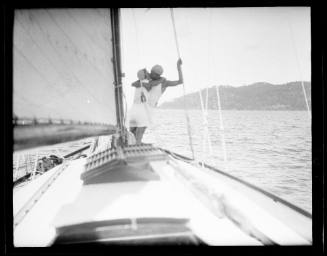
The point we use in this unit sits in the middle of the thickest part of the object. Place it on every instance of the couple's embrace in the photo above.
(148, 89)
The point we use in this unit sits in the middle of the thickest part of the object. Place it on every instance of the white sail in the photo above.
(62, 65)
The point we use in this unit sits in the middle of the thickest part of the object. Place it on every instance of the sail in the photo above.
(62, 67)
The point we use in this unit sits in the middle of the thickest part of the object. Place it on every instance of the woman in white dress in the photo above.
(140, 116)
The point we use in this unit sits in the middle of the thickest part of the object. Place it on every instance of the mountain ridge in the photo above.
(255, 96)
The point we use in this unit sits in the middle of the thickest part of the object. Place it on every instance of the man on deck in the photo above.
(159, 84)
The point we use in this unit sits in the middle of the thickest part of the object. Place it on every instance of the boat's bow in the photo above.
(147, 184)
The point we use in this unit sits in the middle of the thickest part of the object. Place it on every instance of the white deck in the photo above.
(67, 202)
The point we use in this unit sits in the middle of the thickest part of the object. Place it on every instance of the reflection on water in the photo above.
(270, 149)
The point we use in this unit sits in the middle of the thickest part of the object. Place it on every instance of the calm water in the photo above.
(270, 149)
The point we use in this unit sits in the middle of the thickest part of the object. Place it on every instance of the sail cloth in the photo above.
(62, 66)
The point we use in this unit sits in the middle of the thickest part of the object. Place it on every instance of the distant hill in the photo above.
(257, 96)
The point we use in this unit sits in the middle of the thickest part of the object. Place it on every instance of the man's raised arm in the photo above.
(180, 75)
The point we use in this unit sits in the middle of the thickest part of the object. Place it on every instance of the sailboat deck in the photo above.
(172, 194)
(117, 200)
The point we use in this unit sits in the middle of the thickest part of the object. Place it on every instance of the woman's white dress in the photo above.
(140, 112)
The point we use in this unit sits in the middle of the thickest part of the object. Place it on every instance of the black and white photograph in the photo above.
(162, 126)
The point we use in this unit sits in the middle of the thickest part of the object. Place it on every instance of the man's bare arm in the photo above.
(180, 75)
(137, 84)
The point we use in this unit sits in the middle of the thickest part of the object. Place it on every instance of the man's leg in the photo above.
(139, 134)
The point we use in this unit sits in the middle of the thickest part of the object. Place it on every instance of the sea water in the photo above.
(270, 149)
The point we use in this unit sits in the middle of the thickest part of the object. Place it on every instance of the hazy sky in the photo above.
(219, 46)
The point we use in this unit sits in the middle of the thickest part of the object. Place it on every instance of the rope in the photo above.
(221, 128)
(206, 140)
(221, 125)
(175, 32)
(204, 124)
(205, 109)
(299, 69)
(185, 110)
(152, 127)
(157, 137)
(209, 80)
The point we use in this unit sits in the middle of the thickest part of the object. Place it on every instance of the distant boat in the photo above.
(67, 66)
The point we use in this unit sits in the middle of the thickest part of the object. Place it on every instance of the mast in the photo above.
(115, 28)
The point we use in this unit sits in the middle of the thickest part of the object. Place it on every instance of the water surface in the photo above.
(270, 149)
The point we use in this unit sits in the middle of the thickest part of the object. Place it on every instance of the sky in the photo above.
(218, 46)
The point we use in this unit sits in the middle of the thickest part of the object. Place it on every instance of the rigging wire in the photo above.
(299, 68)
(210, 65)
(153, 128)
(204, 125)
(221, 123)
(206, 134)
(206, 140)
(158, 138)
(209, 59)
(185, 110)
(221, 128)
